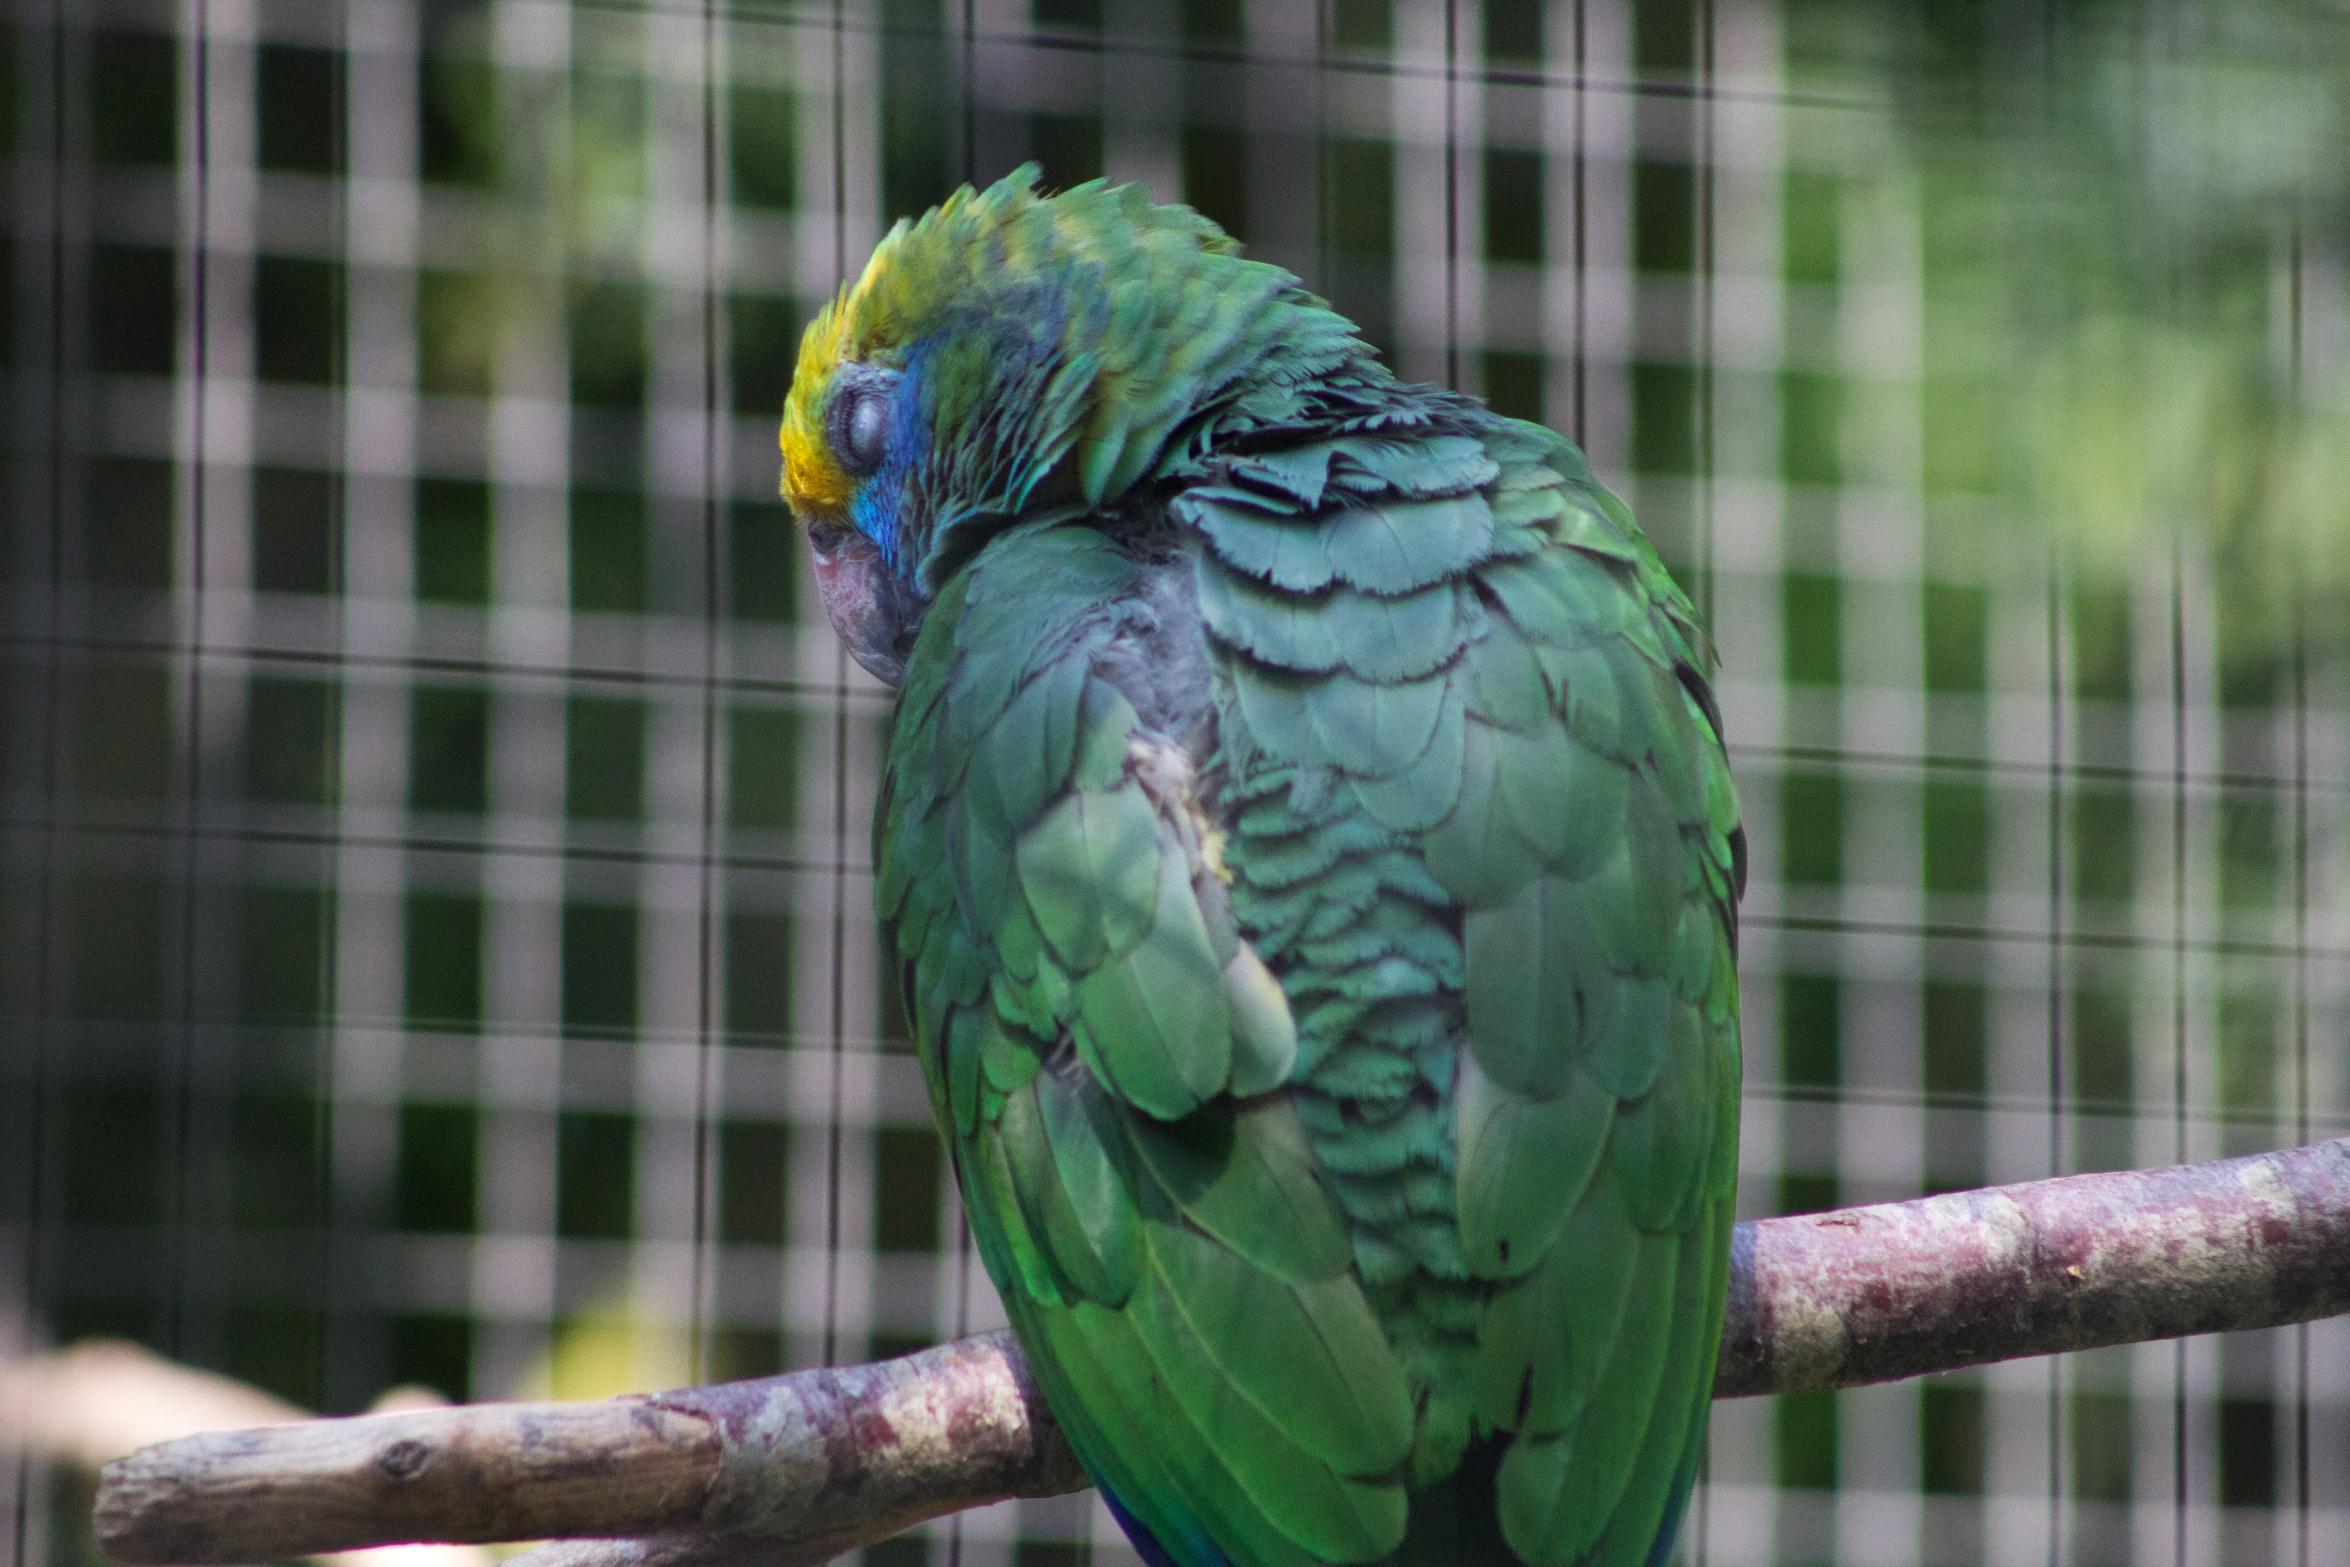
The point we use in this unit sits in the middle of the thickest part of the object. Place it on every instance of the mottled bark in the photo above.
(836, 1456)
(798, 1468)
(1866, 1295)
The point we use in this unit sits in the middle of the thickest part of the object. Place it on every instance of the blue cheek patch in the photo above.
(874, 511)
(881, 499)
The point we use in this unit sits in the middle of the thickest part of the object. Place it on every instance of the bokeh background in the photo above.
(435, 938)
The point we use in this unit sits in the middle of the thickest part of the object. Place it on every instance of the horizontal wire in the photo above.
(1197, 53)
(771, 1044)
(487, 669)
(1945, 1100)
(2154, 780)
(1924, 930)
(768, 1044)
(747, 13)
(488, 846)
(2158, 780)
(324, 838)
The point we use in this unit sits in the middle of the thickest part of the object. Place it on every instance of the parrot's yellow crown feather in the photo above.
(1153, 304)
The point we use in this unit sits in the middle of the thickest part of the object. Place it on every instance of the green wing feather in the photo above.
(1369, 1099)
(1163, 1237)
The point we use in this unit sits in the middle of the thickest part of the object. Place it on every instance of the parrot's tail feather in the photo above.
(1147, 1543)
(1677, 1506)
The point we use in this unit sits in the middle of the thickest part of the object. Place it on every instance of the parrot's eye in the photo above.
(860, 417)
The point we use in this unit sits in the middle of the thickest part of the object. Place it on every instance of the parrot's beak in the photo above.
(861, 599)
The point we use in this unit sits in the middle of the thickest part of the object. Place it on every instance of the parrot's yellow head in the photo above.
(1010, 354)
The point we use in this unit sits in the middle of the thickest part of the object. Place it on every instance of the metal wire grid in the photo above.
(435, 819)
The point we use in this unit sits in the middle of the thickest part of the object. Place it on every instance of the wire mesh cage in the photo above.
(435, 930)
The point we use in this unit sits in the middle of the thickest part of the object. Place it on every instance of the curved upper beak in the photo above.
(860, 597)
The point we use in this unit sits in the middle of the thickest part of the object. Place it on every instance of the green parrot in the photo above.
(1310, 859)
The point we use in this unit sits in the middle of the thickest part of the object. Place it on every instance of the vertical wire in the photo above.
(36, 1151)
(840, 764)
(1452, 197)
(2178, 942)
(182, 1131)
(2301, 1477)
(2300, 905)
(1581, 365)
(328, 966)
(2178, 846)
(1704, 551)
(2056, 926)
(962, 1328)
(699, 1306)
(1325, 274)
(1317, 115)
(1703, 568)
(2058, 717)
(2058, 920)
(970, 93)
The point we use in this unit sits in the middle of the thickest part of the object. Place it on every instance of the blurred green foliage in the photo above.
(2122, 207)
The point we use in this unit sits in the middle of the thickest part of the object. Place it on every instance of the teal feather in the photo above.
(1403, 546)
(1299, 473)
(1477, 853)
(1533, 964)
(1106, 723)
(1334, 1517)
(1009, 1051)
(1424, 790)
(1524, 1163)
(1566, 799)
(1557, 1493)
(1397, 638)
(1588, 685)
(1626, 1037)
(1659, 1155)
(1564, 597)
(1105, 1238)
(1264, 1035)
(1246, 1176)
(1510, 689)
(1440, 465)
(1044, 1195)
(1380, 728)
(980, 858)
(1272, 627)
(1288, 554)
(1089, 868)
(1153, 1027)
(1308, 1353)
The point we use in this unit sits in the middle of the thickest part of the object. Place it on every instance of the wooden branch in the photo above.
(84, 1406)
(1865, 1295)
(833, 1457)
(798, 1468)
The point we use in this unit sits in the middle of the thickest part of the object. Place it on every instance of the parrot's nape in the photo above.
(1310, 859)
